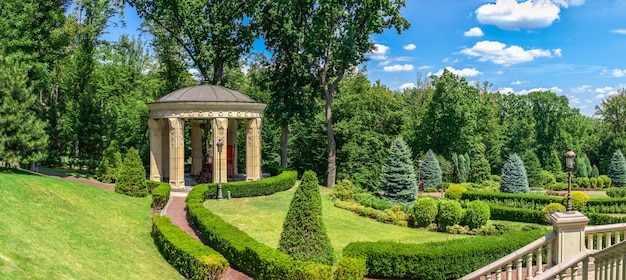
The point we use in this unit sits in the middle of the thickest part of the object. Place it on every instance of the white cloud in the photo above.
(465, 72)
(379, 52)
(424, 67)
(558, 52)
(409, 47)
(556, 90)
(474, 32)
(510, 14)
(406, 86)
(499, 53)
(615, 73)
(398, 68)
(518, 82)
(573, 99)
(581, 89)
(500, 72)
(619, 31)
(383, 63)
(600, 96)
(506, 90)
(605, 91)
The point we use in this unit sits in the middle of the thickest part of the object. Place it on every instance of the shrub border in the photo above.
(267, 186)
(160, 195)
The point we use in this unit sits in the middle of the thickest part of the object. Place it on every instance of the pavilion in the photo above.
(214, 110)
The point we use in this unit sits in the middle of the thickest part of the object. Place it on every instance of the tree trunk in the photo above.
(283, 143)
(332, 146)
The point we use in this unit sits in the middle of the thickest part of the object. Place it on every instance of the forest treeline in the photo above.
(66, 94)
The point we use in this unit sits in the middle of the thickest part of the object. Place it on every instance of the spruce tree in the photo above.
(430, 172)
(463, 169)
(455, 168)
(398, 181)
(304, 236)
(131, 179)
(480, 168)
(617, 169)
(513, 179)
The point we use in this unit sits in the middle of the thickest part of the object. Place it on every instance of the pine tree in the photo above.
(455, 168)
(131, 179)
(110, 164)
(513, 179)
(617, 169)
(579, 167)
(430, 173)
(22, 135)
(533, 168)
(463, 169)
(398, 181)
(480, 168)
(304, 235)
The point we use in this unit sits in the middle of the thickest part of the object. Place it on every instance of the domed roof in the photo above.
(206, 93)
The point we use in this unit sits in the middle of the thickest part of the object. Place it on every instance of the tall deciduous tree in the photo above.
(213, 33)
(617, 169)
(513, 179)
(339, 39)
(398, 182)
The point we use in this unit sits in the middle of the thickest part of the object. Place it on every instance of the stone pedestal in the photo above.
(253, 149)
(177, 152)
(570, 234)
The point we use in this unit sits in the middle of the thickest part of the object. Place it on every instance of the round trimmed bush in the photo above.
(344, 190)
(593, 182)
(450, 213)
(552, 208)
(425, 211)
(455, 192)
(616, 192)
(606, 181)
(477, 214)
(579, 200)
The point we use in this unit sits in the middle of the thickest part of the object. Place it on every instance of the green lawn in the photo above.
(262, 218)
(56, 229)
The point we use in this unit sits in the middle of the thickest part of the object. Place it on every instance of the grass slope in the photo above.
(56, 229)
(262, 218)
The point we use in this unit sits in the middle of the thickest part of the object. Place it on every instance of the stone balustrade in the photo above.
(610, 234)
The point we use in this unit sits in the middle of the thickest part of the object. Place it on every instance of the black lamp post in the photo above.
(569, 162)
(219, 168)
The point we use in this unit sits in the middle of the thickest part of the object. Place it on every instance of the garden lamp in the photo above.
(569, 162)
(219, 144)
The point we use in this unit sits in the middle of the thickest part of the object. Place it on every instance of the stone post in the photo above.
(570, 234)
(156, 149)
(177, 152)
(196, 147)
(232, 139)
(165, 148)
(253, 149)
(220, 129)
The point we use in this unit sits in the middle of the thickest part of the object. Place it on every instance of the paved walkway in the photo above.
(176, 210)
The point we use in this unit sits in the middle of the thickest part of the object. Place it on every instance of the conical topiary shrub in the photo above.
(430, 172)
(617, 169)
(304, 235)
(398, 182)
(514, 178)
(131, 179)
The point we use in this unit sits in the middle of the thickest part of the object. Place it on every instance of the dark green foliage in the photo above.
(437, 260)
(617, 169)
(110, 164)
(514, 176)
(257, 260)
(160, 195)
(344, 190)
(553, 164)
(582, 166)
(152, 185)
(480, 168)
(349, 268)
(131, 179)
(616, 192)
(425, 211)
(450, 213)
(524, 215)
(477, 214)
(537, 200)
(369, 200)
(533, 168)
(546, 179)
(304, 236)
(266, 186)
(189, 256)
(595, 172)
(430, 173)
(398, 182)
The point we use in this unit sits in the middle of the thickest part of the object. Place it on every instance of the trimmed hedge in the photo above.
(439, 260)
(537, 199)
(160, 195)
(266, 186)
(504, 213)
(190, 257)
(349, 268)
(256, 259)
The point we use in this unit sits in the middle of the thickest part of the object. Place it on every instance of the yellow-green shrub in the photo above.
(552, 208)
(579, 200)
(455, 192)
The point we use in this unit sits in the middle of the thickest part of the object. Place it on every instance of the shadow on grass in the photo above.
(18, 171)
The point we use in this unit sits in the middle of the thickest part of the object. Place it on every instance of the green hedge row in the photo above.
(505, 213)
(190, 257)
(160, 195)
(538, 199)
(267, 186)
(439, 260)
(256, 259)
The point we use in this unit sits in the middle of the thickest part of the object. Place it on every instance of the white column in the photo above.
(253, 149)
(220, 128)
(165, 147)
(156, 149)
(177, 152)
(570, 235)
(196, 147)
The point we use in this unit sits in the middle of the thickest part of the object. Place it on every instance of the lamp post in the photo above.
(219, 168)
(419, 174)
(569, 162)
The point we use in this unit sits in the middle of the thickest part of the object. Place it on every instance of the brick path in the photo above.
(176, 210)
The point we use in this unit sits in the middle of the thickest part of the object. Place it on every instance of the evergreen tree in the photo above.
(131, 179)
(595, 173)
(617, 169)
(398, 181)
(480, 168)
(533, 168)
(513, 179)
(110, 164)
(22, 135)
(579, 167)
(304, 236)
(463, 169)
(430, 173)
(455, 168)
(553, 164)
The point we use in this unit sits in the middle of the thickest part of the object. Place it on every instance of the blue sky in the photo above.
(575, 48)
